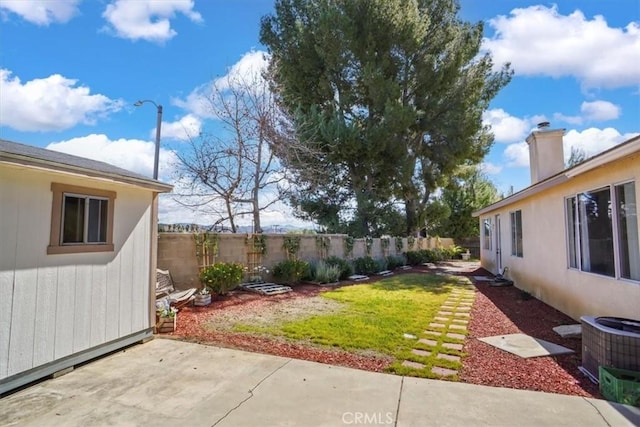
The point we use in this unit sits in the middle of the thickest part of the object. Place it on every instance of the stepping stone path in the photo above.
(449, 324)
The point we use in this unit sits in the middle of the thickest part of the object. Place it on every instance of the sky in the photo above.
(71, 70)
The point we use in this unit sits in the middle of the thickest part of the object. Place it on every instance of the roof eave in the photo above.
(28, 161)
(629, 148)
(527, 192)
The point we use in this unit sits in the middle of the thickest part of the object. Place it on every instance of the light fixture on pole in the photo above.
(158, 124)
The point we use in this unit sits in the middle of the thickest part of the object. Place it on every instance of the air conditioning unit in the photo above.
(609, 341)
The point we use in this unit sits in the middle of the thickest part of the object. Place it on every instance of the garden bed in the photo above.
(508, 310)
(495, 311)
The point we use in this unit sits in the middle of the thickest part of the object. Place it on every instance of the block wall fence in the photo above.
(177, 251)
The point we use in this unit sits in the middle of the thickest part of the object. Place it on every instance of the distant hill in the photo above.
(242, 229)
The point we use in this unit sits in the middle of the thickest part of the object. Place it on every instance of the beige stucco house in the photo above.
(571, 238)
(77, 260)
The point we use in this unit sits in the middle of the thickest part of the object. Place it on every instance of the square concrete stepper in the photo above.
(525, 346)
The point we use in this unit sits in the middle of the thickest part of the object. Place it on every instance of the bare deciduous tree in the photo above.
(234, 172)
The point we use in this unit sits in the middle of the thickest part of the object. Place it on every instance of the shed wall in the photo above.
(53, 306)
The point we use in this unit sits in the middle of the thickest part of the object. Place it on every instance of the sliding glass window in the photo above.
(602, 231)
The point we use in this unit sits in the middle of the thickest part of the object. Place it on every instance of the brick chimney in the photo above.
(546, 156)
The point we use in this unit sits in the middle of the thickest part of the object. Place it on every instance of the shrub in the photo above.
(222, 277)
(346, 269)
(365, 265)
(414, 257)
(395, 261)
(290, 271)
(424, 255)
(322, 272)
(452, 252)
(381, 264)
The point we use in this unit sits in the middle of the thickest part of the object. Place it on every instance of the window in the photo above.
(627, 217)
(84, 219)
(516, 233)
(486, 233)
(602, 231)
(81, 220)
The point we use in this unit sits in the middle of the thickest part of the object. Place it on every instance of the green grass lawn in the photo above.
(375, 318)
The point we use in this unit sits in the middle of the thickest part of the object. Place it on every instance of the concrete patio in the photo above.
(177, 383)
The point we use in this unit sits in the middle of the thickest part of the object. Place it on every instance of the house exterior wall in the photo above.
(54, 306)
(544, 270)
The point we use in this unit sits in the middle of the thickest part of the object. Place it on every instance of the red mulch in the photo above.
(495, 311)
(506, 310)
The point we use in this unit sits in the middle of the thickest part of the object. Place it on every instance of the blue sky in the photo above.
(71, 70)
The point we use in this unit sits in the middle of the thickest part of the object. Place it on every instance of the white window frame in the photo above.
(486, 228)
(85, 232)
(514, 234)
(614, 230)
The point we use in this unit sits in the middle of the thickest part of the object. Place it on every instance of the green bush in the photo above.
(290, 271)
(365, 265)
(381, 264)
(222, 277)
(432, 255)
(452, 252)
(395, 261)
(424, 255)
(414, 257)
(322, 272)
(346, 269)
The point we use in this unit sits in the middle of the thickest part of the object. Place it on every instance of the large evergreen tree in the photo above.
(390, 92)
(469, 191)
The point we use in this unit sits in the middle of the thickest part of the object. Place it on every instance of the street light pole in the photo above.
(158, 125)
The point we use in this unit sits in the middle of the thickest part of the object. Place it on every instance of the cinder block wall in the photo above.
(177, 251)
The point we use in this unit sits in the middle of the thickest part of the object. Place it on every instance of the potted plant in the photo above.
(203, 297)
(167, 318)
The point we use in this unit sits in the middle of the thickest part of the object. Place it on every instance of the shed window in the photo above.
(516, 233)
(84, 219)
(602, 230)
(81, 220)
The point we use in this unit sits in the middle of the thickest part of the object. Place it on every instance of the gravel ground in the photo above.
(498, 311)
(495, 311)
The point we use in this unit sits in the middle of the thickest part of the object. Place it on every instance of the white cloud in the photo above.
(600, 111)
(538, 40)
(131, 154)
(505, 127)
(41, 12)
(490, 169)
(594, 111)
(184, 129)
(572, 120)
(248, 69)
(147, 19)
(592, 141)
(517, 155)
(50, 104)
